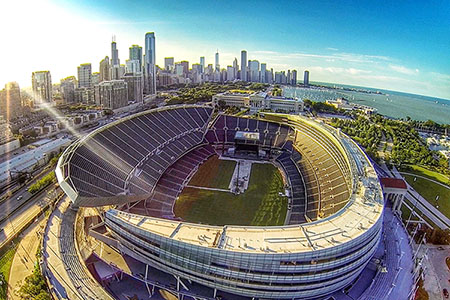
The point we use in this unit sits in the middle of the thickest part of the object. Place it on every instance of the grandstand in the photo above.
(122, 161)
(171, 183)
(138, 166)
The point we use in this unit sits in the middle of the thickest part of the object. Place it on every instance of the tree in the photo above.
(307, 102)
(35, 286)
(222, 104)
(440, 237)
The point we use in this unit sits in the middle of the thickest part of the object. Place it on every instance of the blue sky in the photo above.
(397, 45)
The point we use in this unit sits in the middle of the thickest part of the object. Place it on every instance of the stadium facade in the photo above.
(138, 165)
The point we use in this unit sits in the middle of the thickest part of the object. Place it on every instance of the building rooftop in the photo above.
(339, 228)
(24, 161)
(395, 183)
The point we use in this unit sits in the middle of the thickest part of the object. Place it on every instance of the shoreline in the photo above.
(396, 105)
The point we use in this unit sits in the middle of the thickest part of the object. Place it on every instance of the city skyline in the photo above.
(422, 69)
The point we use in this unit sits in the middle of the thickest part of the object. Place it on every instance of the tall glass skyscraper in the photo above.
(42, 87)
(244, 65)
(114, 54)
(217, 66)
(136, 55)
(149, 65)
(202, 63)
(105, 70)
(306, 78)
(263, 77)
(84, 75)
(253, 66)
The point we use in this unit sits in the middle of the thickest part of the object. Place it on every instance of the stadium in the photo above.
(155, 179)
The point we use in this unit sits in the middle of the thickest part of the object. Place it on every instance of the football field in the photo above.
(260, 205)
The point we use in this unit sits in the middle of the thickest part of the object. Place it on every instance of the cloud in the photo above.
(125, 22)
(341, 71)
(445, 78)
(338, 56)
(332, 49)
(404, 70)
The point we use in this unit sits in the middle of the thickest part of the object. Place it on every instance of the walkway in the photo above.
(436, 257)
(25, 257)
(397, 282)
(67, 275)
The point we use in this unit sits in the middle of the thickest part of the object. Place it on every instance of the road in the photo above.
(438, 270)
(26, 213)
(35, 176)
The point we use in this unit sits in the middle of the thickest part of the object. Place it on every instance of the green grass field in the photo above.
(429, 190)
(6, 258)
(214, 173)
(415, 169)
(260, 205)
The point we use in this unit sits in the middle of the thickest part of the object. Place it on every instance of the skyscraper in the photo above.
(84, 75)
(231, 74)
(294, 77)
(235, 65)
(135, 87)
(263, 77)
(105, 69)
(136, 55)
(253, 70)
(111, 94)
(95, 78)
(217, 66)
(306, 78)
(196, 69)
(244, 65)
(132, 66)
(42, 87)
(202, 64)
(185, 65)
(169, 63)
(150, 70)
(10, 101)
(68, 85)
(114, 54)
(179, 69)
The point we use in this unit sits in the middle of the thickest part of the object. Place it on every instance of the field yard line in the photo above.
(208, 188)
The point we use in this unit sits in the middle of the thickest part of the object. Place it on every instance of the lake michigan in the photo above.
(389, 103)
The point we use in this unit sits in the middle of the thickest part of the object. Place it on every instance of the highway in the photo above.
(21, 196)
(22, 216)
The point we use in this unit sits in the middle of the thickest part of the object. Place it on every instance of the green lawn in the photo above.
(6, 259)
(429, 190)
(260, 205)
(214, 173)
(415, 169)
